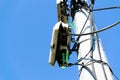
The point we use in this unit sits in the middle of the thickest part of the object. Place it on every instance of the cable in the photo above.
(74, 46)
(100, 61)
(100, 55)
(91, 6)
(84, 40)
(71, 25)
(79, 60)
(100, 9)
(92, 43)
(81, 41)
(93, 2)
(106, 28)
(95, 61)
(112, 71)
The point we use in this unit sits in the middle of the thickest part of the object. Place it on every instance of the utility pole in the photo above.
(93, 62)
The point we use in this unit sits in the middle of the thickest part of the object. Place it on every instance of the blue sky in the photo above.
(25, 36)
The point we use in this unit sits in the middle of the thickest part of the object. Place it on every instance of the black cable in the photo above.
(74, 46)
(85, 56)
(106, 28)
(93, 2)
(83, 67)
(95, 61)
(84, 40)
(100, 55)
(100, 9)
(112, 71)
(92, 35)
(80, 71)
(79, 60)
(100, 61)
(91, 6)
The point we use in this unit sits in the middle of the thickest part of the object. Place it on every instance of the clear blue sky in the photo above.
(25, 36)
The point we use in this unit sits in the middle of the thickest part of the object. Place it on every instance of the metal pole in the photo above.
(93, 65)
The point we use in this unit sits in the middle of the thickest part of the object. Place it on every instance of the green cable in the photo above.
(63, 57)
(71, 25)
(67, 56)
